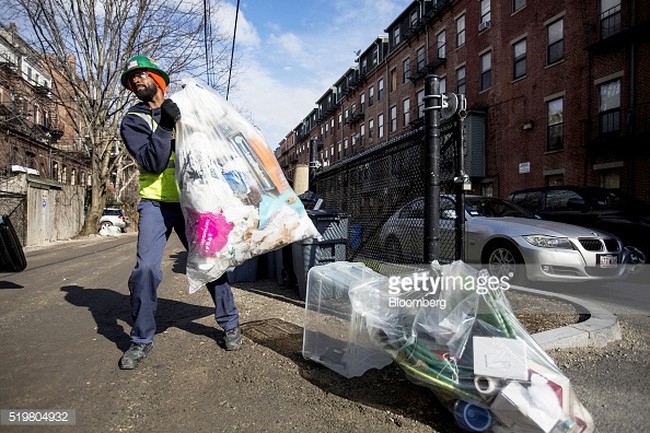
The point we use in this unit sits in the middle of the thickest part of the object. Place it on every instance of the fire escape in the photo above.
(29, 122)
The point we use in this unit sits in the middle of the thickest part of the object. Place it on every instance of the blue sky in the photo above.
(292, 51)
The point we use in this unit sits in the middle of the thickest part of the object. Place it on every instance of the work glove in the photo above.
(169, 114)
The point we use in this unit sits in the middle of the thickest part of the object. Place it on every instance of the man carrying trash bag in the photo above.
(147, 132)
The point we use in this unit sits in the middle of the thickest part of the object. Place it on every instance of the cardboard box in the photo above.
(500, 357)
(515, 409)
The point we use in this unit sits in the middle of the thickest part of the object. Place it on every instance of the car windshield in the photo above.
(611, 199)
(494, 207)
(112, 212)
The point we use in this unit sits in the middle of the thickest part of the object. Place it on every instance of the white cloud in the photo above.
(285, 72)
(247, 36)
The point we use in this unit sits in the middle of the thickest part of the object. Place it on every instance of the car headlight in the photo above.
(545, 241)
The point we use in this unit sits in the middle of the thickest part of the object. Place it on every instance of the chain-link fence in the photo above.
(381, 192)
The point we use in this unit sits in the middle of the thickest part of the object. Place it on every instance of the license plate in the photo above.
(607, 261)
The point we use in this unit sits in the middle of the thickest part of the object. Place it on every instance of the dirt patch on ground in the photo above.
(539, 314)
(380, 400)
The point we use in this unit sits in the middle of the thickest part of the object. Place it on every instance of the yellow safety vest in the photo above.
(158, 186)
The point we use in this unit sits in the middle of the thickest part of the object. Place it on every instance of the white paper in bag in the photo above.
(235, 198)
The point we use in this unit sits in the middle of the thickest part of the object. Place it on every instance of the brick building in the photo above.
(37, 134)
(557, 91)
(44, 172)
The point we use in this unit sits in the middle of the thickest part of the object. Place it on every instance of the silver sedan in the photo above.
(509, 240)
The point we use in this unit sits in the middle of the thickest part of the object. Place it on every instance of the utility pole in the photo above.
(437, 106)
(432, 106)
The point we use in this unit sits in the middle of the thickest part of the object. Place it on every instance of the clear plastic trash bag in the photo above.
(236, 200)
(452, 330)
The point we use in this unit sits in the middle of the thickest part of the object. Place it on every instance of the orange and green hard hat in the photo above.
(141, 62)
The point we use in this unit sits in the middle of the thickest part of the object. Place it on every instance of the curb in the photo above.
(600, 329)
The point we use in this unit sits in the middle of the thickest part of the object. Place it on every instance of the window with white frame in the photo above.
(610, 17)
(406, 70)
(485, 11)
(460, 31)
(380, 125)
(460, 80)
(486, 70)
(421, 59)
(609, 106)
(37, 114)
(406, 111)
(371, 95)
(380, 88)
(441, 45)
(518, 4)
(421, 104)
(519, 68)
(555, 42)
(555, 124)
(413, 18)
(393, 118)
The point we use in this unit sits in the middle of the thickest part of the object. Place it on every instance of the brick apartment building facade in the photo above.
(44, 173)
(37, 135)
(558, 92)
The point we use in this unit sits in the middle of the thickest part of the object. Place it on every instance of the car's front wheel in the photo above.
(504, 260)
(106, 225)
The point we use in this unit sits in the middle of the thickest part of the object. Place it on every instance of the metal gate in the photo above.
(14, 205)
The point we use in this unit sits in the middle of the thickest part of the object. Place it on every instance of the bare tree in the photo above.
(86, 43)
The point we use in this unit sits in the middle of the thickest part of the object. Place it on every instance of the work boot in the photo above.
(232, 339)
(134, 355)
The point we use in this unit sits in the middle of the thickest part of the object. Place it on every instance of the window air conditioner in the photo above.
(484, 25)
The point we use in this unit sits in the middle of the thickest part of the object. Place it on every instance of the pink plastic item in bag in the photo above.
(211, 233)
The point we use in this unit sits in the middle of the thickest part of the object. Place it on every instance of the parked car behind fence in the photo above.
(595, 208)
(509, 241)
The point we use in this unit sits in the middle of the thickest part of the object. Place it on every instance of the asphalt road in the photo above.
(630, 295)
(65, 320)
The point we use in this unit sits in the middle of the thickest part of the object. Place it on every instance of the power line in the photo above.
(207, 37)
(232, 52)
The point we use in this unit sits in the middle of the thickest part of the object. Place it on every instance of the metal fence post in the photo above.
(432, 106)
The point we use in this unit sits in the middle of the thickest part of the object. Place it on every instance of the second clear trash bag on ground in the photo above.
(236, 200)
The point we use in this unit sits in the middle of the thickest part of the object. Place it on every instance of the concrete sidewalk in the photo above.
(598, 330)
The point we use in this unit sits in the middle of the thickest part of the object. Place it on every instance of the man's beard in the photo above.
(146, 93)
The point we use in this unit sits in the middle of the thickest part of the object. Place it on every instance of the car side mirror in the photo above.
(448, 214)
(576, 204)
